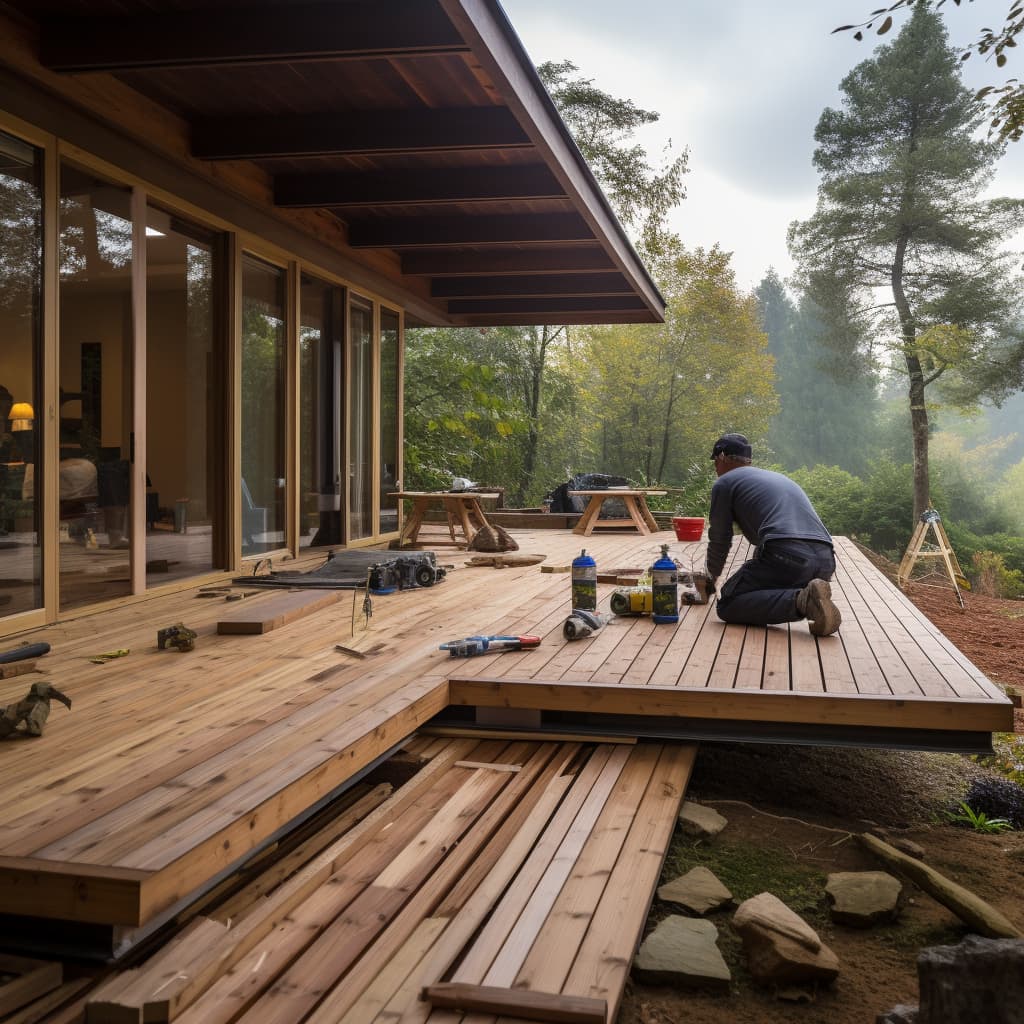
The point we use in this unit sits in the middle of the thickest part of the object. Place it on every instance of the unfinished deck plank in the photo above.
(267, 614)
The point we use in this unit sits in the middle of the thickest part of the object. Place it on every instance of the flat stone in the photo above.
(782, 949)
(861, 899)
(682, 952)
(770, 913)
(699, 891)
(698, 820)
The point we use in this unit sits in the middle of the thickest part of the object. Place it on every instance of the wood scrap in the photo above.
(44, 1005)
(971, 909)
(517, 1002)
(490, 766)
(463, 731)
(29, 979)
(350, 651)
(277, 611)
(504, 561)
(19, 668)
(556, 568)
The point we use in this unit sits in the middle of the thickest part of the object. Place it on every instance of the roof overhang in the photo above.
(420, 127)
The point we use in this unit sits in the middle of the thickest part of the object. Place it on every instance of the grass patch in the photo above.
(747, 869)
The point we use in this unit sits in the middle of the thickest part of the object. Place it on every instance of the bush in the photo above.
(837, 496)
(998, 798)
(991, 577)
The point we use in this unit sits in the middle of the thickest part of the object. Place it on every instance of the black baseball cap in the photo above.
(732, 444)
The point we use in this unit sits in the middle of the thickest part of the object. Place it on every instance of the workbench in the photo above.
(635, 501)
(461, 507)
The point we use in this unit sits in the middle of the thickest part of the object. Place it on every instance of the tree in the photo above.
(601, 125)
(662, 393)
(898, 211)
(1007, 100)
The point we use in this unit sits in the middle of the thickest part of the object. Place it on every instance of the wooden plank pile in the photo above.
(511, 876)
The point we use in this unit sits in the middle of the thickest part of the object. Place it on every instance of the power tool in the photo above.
(472, 645)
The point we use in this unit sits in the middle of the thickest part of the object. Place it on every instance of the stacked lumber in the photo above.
(511, 876)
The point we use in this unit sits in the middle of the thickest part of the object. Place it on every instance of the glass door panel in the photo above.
(321, 333)
(360, 397)
(21, 257)
(390, 408)
(264, 370)
(183, 399)
(95, 418)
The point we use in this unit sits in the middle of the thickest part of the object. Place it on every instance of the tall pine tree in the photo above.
(899, 225)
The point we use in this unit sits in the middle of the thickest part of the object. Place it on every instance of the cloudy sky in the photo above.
(741, 85)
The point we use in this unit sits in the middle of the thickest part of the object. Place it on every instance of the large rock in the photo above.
(782, 949)
(698, 820)
(682, 952)
(699, 891)
(977, 980)
(863, 898)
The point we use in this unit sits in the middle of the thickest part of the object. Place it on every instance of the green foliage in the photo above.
(899, 209)
(967, 817)
(1008, 547)
(991, 577)
(839, 498)
(888, 521)
(1000, 798)
(602, 126)
(1007, 100)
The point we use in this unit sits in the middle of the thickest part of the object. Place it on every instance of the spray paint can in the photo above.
(664, 595)
(584, 583)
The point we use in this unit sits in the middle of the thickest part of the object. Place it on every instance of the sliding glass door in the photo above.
(264, 381)
(21, 283)
(184, 400)
(360, 419)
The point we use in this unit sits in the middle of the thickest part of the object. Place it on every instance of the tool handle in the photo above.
(23, 652)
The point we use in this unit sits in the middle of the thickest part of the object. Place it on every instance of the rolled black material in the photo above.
(23, 652)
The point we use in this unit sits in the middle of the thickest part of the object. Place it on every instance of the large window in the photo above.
(184, 401)
(264, 341)
(390, 411)
(360, 418)
(95, 418)
(21, 254)
(321, 333)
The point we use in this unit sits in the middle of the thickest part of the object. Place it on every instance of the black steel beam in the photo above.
(570, 259)
(525, 307)
(522, 285)
(395, 232)
(363, 131)
(248, 35)
(426, 186)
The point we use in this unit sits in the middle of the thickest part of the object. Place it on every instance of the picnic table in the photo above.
(635, 500)
(461, 507)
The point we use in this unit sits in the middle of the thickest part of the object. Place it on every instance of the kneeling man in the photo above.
(787, 578)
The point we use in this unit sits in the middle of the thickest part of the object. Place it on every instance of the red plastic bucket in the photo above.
(688, 527)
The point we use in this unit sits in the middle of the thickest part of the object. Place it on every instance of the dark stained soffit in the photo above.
(472, 163)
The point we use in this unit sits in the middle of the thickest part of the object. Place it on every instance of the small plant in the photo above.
(998, 798)
(968, 817)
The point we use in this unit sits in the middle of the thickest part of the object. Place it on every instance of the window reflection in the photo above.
(21, 240)
(390, 407)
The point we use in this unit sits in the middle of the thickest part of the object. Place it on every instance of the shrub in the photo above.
(992, 578)
(998, 798)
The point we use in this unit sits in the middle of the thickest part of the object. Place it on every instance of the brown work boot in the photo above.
(814, 602)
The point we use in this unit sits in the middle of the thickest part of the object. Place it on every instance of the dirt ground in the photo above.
(792, 812)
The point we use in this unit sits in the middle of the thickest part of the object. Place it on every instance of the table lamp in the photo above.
(21, 416)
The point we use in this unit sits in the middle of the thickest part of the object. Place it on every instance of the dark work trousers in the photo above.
(764, 589)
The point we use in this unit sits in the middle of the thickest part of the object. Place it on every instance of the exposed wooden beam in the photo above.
(568, 259)
(363, 131)
(248, 35)
(556, 319)
(455, 230)
(430, 185)
(528, 306)
(523, 285)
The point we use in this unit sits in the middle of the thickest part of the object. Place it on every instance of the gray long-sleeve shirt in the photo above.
(765, 505)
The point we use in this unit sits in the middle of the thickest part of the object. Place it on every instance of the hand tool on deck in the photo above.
(179, 636)
(471, 645)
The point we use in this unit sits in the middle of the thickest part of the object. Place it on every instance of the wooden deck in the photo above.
(172, 768)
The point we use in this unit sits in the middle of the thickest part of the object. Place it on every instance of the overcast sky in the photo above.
(741, 84)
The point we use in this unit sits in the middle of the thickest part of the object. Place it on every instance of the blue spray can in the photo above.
(584, 583)
(664, 595)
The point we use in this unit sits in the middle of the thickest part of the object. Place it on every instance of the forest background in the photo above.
(885, 375)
